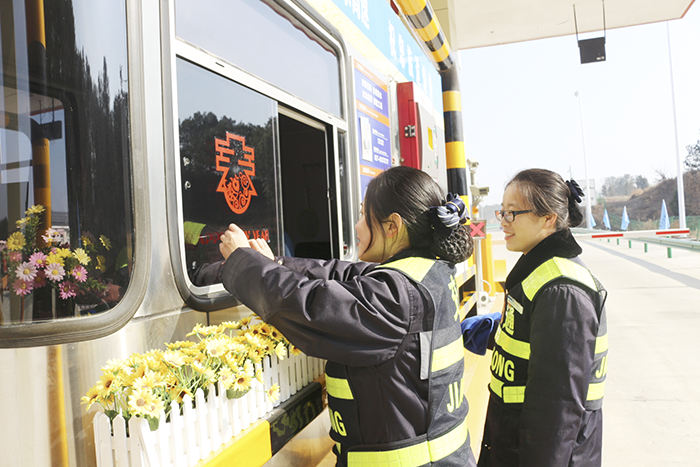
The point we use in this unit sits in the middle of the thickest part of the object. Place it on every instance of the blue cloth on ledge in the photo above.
(476, 331)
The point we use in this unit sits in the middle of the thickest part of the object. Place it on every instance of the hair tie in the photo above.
(450, 215)
(576, 191)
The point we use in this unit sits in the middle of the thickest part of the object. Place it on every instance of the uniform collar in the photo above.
(410, 252)
(561, 244)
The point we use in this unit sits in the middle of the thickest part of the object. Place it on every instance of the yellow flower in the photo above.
(101, 263)
(143, 402)
(176, 359)
(252, 340)
(177, 393)
(86, 241)
(113, 365)
(81, 256)
(64, 252)
(294, 350)
(90, 397)
(230, 325)
(259, 376)
(22, 222)
(16, 241)
(36, 209)
(150, 380)
(256, 354)
(108, 384)
(180, 345)
(241, 381)
(54, 258)
(226, 377)
(246, 321)
(248, 368)
(137, 373)
(274, 393)
(281, 351)
(105, 242)
(217, 347)
(208, 330)
(275, 334)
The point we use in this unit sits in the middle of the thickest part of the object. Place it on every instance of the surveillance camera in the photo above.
(479, 190)
(472, 164)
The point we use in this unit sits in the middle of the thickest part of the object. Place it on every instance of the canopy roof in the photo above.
(479, 23)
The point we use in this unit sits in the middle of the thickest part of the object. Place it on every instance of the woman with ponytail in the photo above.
(388, 326)
(549, 359)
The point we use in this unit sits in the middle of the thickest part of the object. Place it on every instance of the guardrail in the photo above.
(657, 237)
(587, 233)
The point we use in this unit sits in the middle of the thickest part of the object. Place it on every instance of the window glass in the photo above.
(228, 166)
(65, 209)
(259, 39)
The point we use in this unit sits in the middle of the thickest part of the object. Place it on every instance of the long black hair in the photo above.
(546, 192)
(411, 193)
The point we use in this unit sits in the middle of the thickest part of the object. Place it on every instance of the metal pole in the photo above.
(478, 276)
(681, 194)
(585, 165)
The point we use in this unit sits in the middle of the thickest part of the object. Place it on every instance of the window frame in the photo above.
(215, 297)
(71, 330)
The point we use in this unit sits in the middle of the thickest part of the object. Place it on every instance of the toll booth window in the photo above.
(65, 209)
(260, 38)
(227, 166)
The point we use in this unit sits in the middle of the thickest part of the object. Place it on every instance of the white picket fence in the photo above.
(202, 429)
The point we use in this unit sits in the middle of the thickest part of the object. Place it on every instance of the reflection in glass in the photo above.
(257, 37)
(227, 164)
(65, 219)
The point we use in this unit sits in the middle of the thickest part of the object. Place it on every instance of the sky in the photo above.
(520, 109)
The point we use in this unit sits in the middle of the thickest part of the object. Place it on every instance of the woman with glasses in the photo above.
(549, 358)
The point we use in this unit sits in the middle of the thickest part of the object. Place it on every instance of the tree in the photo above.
(641, 182)
(692, 160)
(619, 186)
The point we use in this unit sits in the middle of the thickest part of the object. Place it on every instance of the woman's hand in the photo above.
(261, 247)
(232, 239)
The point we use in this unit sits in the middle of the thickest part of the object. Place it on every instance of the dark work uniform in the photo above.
(391, 336)
(548, 364)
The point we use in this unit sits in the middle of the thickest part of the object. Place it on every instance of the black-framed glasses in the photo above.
(509, 216)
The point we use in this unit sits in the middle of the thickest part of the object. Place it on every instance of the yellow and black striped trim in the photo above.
(422, 19)
(420, 15)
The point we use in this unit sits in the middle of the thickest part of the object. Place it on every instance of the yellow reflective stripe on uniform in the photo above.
(413, 456)
(338, 388)
(595, 391)
(405, 457)
(512, 346)
(516, 394)
(601, 344)
(448, 355)
(415, 268)
(509, 394)
(449, 442)
(553, 268)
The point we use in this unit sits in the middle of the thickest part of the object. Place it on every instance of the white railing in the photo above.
(185, 438)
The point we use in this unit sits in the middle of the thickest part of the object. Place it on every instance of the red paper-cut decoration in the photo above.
(236, 185)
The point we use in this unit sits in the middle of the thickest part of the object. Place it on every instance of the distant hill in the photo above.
(646, 206)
